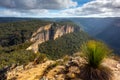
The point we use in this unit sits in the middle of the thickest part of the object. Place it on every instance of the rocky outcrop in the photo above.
(48, 70)
(63, 30)
(50, 32)
(51, 70)
(34, 73)
(114, 65)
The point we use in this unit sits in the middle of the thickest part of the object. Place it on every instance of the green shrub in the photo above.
(40, 58)
(95, 52)
(16, 57)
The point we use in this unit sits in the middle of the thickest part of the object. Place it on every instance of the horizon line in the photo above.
(60, 17)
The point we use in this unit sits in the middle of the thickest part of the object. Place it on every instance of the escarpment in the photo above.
(50, 32)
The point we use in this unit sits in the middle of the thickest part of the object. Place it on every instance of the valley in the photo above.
(59, 40)
(50, 48)
(24, 37)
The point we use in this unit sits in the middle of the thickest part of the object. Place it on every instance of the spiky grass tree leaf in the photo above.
(95, 52)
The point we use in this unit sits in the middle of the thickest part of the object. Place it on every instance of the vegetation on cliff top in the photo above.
(14, 38)
(95, 52)
(65, 45)
(14, 33)
(15, 55)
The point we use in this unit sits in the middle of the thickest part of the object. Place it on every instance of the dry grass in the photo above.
(100, 73)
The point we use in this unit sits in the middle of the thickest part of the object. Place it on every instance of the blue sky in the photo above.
(59, 8)
(81, 2)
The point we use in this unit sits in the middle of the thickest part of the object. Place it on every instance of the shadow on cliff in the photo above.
(3, 73)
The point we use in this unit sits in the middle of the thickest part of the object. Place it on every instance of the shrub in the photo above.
(16, 57)
(40, 58)
(95, 52)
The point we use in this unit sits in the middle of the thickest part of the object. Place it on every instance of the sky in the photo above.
(59, 8)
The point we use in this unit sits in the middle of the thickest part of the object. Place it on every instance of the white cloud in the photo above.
(38, 4)
(23, 13)
(96, 8)
(9, 13)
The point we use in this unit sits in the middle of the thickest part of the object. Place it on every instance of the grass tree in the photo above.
(95, 52)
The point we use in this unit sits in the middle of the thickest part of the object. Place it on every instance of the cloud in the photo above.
(9, 13)
(23, 13)
(96, 8)
(38, 4)
(60, 8)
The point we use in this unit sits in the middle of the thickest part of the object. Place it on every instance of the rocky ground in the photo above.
(114, 65)
(58, 70)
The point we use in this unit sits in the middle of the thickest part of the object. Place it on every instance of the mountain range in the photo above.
(50, 47)
(104, 29)
(53, 39)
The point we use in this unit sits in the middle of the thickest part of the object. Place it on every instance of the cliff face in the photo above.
(49, 32)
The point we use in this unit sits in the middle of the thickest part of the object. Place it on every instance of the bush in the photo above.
(40, 58)
(16, 57)
(95, 52)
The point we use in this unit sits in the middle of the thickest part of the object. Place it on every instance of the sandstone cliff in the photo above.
(48, 32)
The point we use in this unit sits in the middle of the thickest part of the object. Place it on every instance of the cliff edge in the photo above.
(50, 32)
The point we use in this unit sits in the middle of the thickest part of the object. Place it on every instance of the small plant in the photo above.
(95, 52)
(66, 58)
(40, 58)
